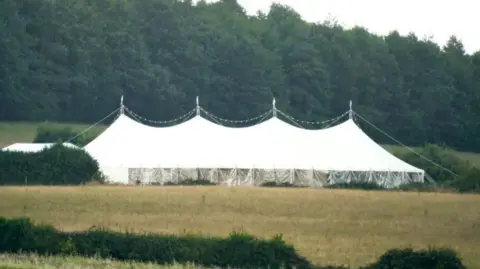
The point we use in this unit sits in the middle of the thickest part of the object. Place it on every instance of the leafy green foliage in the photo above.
(357, 186)
(71, 61)
(239, 250)
(279, 184)
(53, 134)
(57, 165)
(468, 179)
(236, 251)
(419, 187)
(191, 182)
(422, 259)
(443, 157)
(468, 182)
(22, 235)
(48, 134)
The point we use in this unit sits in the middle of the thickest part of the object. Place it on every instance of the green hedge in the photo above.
(420, 187)
(191, 182)
(468, 182)
(356, 186)
(57, 165)
(469, 176)
(442, 156)
(47, 133)
(421, 259)
(274, 184)
(236, 251)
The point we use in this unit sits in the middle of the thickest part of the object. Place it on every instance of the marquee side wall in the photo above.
(257, 177)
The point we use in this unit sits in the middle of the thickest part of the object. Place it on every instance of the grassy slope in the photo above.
(25, 132)
(24, 261)
(326, 226)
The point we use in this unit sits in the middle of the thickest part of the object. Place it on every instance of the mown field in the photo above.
(27, 261)
(327, 226)
(25, 132)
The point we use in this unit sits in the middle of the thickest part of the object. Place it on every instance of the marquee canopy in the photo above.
(272, 145)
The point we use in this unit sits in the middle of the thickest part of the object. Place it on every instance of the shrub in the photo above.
(419, 187)
(279, 184)
(239, 250)
(357, 186)
(422, 259)
(191, 182)
(440, 155)
(235, 251)
(53, 134)
(467, 181)
(20, 235)
(57, 165)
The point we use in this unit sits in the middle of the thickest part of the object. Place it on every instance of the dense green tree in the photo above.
(72, 60)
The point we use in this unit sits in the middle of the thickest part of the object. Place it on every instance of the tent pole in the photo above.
(274, 108)
(198, 108)
(350, 111)
(121, 105)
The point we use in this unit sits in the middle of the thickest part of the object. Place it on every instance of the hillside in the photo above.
(70, 61)
(25, 132)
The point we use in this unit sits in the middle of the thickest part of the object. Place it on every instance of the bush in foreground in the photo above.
(236, 251)
(422, 259)
(57, 165)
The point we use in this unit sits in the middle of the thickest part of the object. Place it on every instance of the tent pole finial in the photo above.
(350, 111)
(198, 107)
(274, 108)
(121, 105)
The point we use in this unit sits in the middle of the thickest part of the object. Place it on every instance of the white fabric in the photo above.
(273, 144)
(33, 147)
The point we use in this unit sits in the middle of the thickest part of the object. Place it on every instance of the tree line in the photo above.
(71, 61)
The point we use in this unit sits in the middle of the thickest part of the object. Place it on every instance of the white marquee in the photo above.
(129, 151)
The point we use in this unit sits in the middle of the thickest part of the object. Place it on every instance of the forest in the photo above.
(72, 60)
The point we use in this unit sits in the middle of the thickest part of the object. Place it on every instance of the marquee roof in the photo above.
(272, 144)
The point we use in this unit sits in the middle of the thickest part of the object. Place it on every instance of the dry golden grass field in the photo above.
(327, 226)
